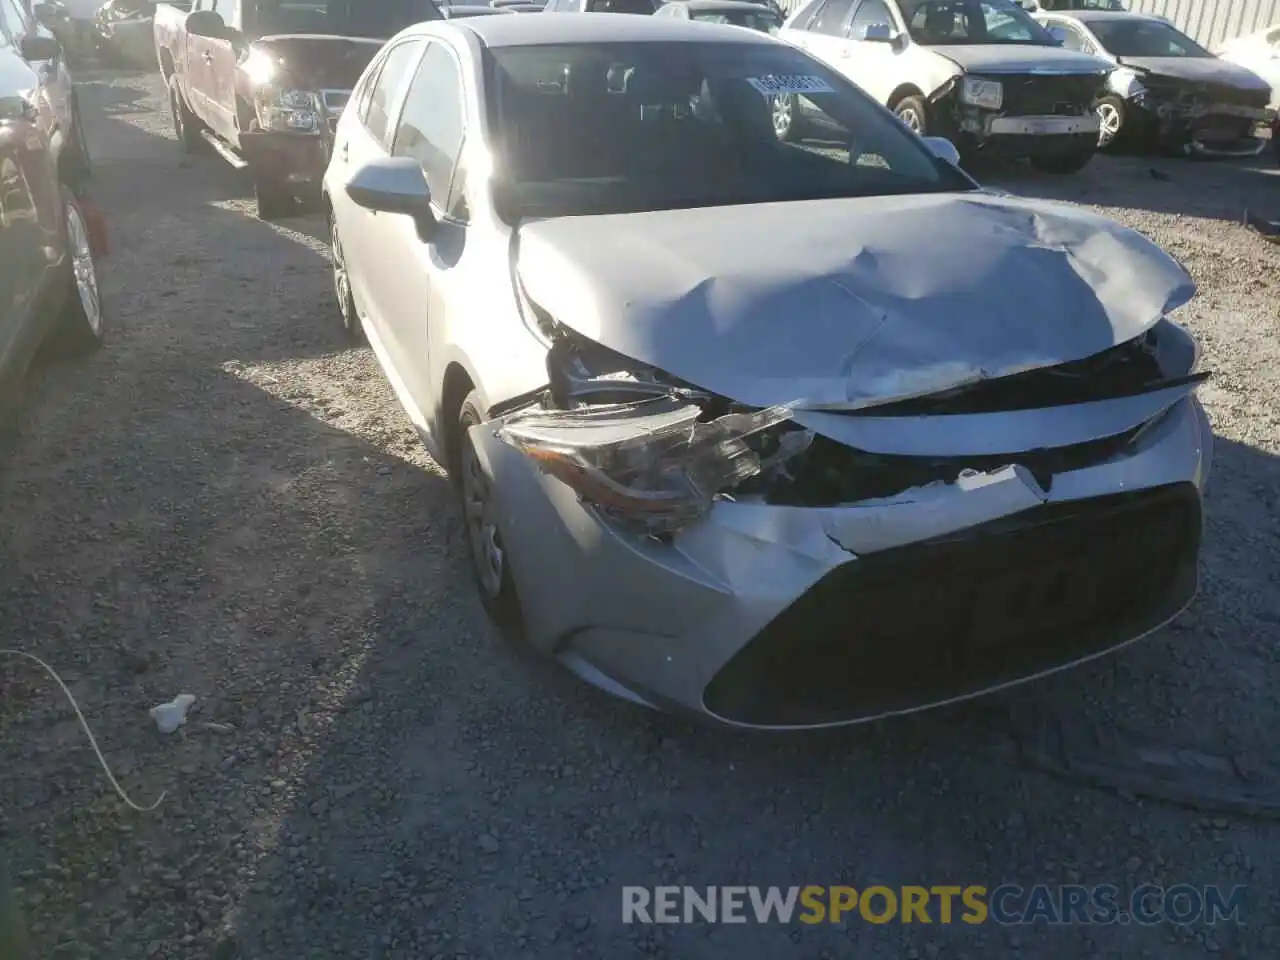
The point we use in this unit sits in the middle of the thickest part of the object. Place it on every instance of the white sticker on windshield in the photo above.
(773, 83)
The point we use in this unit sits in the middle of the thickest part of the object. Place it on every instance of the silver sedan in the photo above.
(781, 434)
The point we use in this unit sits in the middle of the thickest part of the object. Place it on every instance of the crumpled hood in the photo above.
(1199, 70)
(847, 303)
(320, 61)
(995, 58)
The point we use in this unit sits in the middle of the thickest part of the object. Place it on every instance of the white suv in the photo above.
(981, 73)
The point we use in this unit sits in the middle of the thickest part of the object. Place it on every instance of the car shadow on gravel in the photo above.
(1219, 190)
(459, 799)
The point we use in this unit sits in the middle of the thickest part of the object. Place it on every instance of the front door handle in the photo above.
(207, 57)
(344, 152)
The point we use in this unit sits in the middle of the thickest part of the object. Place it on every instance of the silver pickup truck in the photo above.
(264, 81)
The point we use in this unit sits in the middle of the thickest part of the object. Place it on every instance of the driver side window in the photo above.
(869, 14)
(1072, 39)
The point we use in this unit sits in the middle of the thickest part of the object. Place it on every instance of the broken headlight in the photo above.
(987, 94)
(652, 463)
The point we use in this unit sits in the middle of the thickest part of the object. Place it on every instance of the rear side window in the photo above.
(386, 89)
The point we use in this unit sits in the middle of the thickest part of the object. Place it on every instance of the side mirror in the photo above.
(395, 185)
(206, 23)
(1059, 35)
(35, 47)
(943, 149)
(875, 33)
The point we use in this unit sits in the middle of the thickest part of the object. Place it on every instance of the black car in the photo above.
(1169, 91)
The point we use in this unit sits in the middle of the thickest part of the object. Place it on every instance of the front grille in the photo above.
(932, 621)
(1026, 96)
(828, 473)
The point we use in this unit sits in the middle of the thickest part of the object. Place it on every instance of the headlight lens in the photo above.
(988, 94)
(287, 110)
(653, 463)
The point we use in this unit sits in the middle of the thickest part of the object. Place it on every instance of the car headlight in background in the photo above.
(279, 107)
(654, 464)
(987, 94)
(287, 110)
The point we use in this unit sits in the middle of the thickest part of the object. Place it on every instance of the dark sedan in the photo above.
(50, 236)
(1168, 90)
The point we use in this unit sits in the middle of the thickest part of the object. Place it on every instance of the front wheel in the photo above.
(342, 286)
(786, 116)
(911, 111)
(489, 563)
(1110, 111)
(1063, 163)
(274, 201)
(185, 124)
(78, 329)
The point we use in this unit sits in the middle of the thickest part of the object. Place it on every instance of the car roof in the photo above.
(1104, 16)
(723, 5)
(585, 28)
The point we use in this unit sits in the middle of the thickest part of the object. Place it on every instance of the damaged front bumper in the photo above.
(1204, 130)
(774, 616)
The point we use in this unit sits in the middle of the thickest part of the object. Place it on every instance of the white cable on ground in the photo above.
(93, 742)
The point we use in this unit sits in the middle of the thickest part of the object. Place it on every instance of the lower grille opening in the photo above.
(937, 620)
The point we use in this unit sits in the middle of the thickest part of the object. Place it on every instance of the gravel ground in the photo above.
(228, 502)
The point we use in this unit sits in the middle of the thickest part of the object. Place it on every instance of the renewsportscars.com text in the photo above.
(943, 904)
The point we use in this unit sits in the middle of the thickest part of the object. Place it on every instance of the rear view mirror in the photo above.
(943, 149)
(875, 33)
(395, 185)
(36, 47)
(1059, 35)
(206, 23)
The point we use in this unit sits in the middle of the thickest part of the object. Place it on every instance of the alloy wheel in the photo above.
(482, 529)
(83, 268)
(781, 115)
(1108, 123)
(341, 281)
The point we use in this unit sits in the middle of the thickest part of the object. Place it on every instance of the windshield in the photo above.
(625, 127)
(370, 19)
(950, 22)
(1144, 38)
(763, 20)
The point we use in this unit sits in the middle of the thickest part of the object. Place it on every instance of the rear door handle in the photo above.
(344, 152)
(207, 57)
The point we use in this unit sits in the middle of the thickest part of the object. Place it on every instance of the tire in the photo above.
(274, 201)
(342, 287)
(79, 328)
(84, 166)
(488, 560)
(786, 117)
(1063, 163)
(185, 123)
(913, 114)
(1111, 117)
